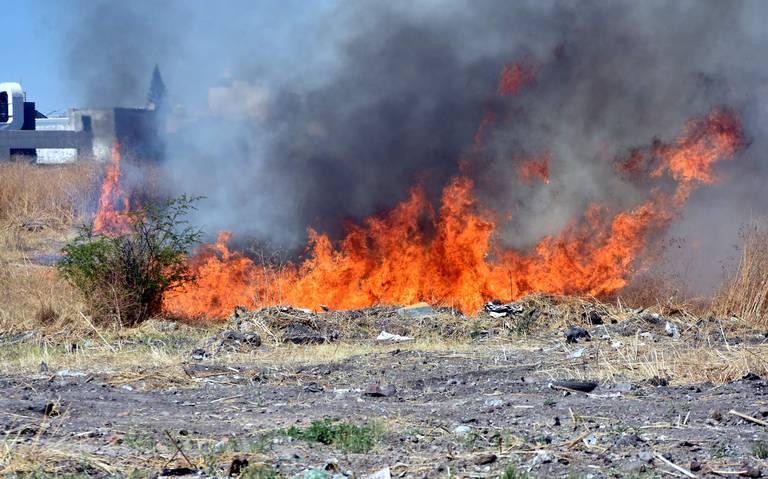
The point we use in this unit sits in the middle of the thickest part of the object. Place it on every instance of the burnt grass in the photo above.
(484, 404)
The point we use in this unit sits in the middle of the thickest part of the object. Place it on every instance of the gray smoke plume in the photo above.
(330, 111)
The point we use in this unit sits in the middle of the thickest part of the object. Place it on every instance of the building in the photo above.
(83, 135)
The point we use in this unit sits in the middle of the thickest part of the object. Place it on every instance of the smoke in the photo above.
(351, 102)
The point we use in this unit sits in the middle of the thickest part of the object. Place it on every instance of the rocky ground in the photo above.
(279, 393)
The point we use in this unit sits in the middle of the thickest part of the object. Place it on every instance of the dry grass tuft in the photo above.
(745, 293)
(51, 196)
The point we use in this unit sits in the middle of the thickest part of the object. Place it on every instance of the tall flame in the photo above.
(112, 215)
(394, 258)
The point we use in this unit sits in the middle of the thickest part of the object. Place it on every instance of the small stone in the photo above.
(377, 390)
(462, 430)
(575, 333)
(485, 459)
(629, 440)
(751, 471)
(695, 465)
(594, 318)
(645, 456)
(582, 386)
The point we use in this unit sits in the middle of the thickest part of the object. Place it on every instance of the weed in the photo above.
(344, 436)
(760, 450)
(511, 472)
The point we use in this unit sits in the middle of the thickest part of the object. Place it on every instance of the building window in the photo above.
(3, 107)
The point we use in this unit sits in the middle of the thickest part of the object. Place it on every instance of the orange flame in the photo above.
(514, 77)
(535, 169)
(110, 220)
(456, 259)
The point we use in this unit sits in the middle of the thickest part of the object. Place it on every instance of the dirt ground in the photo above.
(476, 406)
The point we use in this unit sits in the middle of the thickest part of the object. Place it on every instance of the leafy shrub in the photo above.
(123, 276)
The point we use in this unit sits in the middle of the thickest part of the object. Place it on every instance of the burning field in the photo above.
(497, 239)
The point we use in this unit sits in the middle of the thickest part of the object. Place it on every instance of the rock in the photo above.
(582, 386)
(380, 474)
(302, 334)
(658, 381)
(594, 318)
(542, 457)
(575, 333)
(237, 466)
(377, 390)
(462, 430)
(485, 459)
(623, 387)
(199, 354)
(695, 465)
(645, 456)
(493, 402)
(385, 337)
(750, 471)
(629, 440)
(633, 467)
(750, 376)
(313, 387)
(418, 310)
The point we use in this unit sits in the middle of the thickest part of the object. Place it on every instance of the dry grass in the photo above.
(35, 297)
(37, 202)
(745, 293)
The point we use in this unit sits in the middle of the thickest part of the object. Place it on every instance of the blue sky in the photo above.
(31, 55)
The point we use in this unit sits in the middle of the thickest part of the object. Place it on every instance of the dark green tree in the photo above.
(157, 90)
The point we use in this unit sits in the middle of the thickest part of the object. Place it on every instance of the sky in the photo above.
(31, 55)
(41, 49)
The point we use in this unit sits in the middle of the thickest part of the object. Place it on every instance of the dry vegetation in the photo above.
(745, 293)
(38, 208)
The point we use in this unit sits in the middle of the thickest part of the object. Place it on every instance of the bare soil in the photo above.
(472, 409)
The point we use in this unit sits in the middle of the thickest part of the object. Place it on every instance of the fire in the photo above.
(111, 216)
(534, 169)
(456, 259)
(514, 77)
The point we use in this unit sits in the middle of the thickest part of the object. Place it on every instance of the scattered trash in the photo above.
(199, 354)
(497, 309)
(313, 387)
(68, 373)
(575, 333)
(377, 390)
(380, 474)
(576, 354)
(385, 337)
(494, 402)
(417, 310)
(671, 329)
(574, 385)
(462, 430)
(178, 471)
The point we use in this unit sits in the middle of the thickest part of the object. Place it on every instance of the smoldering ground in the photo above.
(353, 102)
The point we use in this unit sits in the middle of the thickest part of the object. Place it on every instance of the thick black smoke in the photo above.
(350, 102)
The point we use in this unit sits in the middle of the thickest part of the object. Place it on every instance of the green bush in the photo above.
(123, 276)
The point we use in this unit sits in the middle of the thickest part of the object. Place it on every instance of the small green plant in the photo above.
(124, 275)
(550, 402)
(344, 436)
(259, 471)
(760, 450)
(511, 472)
